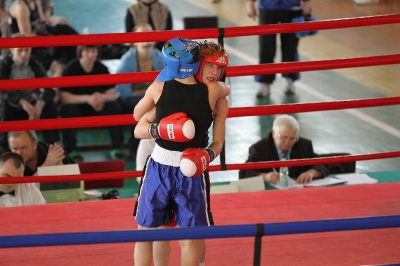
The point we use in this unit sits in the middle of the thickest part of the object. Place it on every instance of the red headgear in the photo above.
(217, 60)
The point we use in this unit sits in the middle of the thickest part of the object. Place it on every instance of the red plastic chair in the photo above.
(101, 167)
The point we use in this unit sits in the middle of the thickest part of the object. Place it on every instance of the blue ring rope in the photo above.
(227, 231)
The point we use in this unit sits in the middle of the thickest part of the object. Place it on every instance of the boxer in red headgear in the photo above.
(214, 61)
(179, 165)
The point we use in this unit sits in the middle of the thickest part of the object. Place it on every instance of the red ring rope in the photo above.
(112, 38)
(114, 120)
(233, 71)
(244, 166)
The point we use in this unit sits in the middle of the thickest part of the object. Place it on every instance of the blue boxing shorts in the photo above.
(165, 189)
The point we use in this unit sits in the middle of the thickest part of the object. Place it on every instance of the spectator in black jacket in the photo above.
(284, 143)
(85, 100)
(36, 153)
(28, 104)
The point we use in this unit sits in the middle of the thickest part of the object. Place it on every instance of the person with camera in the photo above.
(274, 12)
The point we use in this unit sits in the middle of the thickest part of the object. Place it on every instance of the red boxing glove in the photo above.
(195, 161)
(176, 127)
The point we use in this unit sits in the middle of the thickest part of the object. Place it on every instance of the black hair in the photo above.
(17, 159)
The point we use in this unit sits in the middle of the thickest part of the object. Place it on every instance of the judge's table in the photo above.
(257, 183)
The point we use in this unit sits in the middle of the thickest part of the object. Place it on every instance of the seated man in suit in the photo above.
(284, 143)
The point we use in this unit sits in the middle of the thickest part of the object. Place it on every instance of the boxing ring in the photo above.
(351, 225)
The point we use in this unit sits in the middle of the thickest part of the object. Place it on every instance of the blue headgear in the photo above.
(309, 17)
(178, 56)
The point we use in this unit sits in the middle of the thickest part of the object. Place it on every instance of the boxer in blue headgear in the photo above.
(181, 59)
(174, 176)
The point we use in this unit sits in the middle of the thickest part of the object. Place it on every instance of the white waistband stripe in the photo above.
(166, 157)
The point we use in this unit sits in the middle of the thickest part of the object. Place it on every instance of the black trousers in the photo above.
(80, 110)
(268, 43)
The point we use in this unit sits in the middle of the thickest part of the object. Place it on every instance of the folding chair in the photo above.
(340, 168)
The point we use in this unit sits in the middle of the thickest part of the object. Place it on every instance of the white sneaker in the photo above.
(290, 86)
(264, 89)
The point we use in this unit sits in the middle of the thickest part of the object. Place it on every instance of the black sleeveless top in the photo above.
(33, 18)
(191, 99)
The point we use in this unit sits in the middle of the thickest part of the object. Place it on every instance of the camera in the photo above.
(112, 194)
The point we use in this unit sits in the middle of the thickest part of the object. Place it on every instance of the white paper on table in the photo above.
(325, 182)
(353, 179)
(92, 193)
(291, 184)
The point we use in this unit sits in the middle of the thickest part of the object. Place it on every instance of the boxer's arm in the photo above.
(149, 100)
(220, 115)
(141, 129)
(219, 89)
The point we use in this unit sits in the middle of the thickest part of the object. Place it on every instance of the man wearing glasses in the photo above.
(284, 143)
